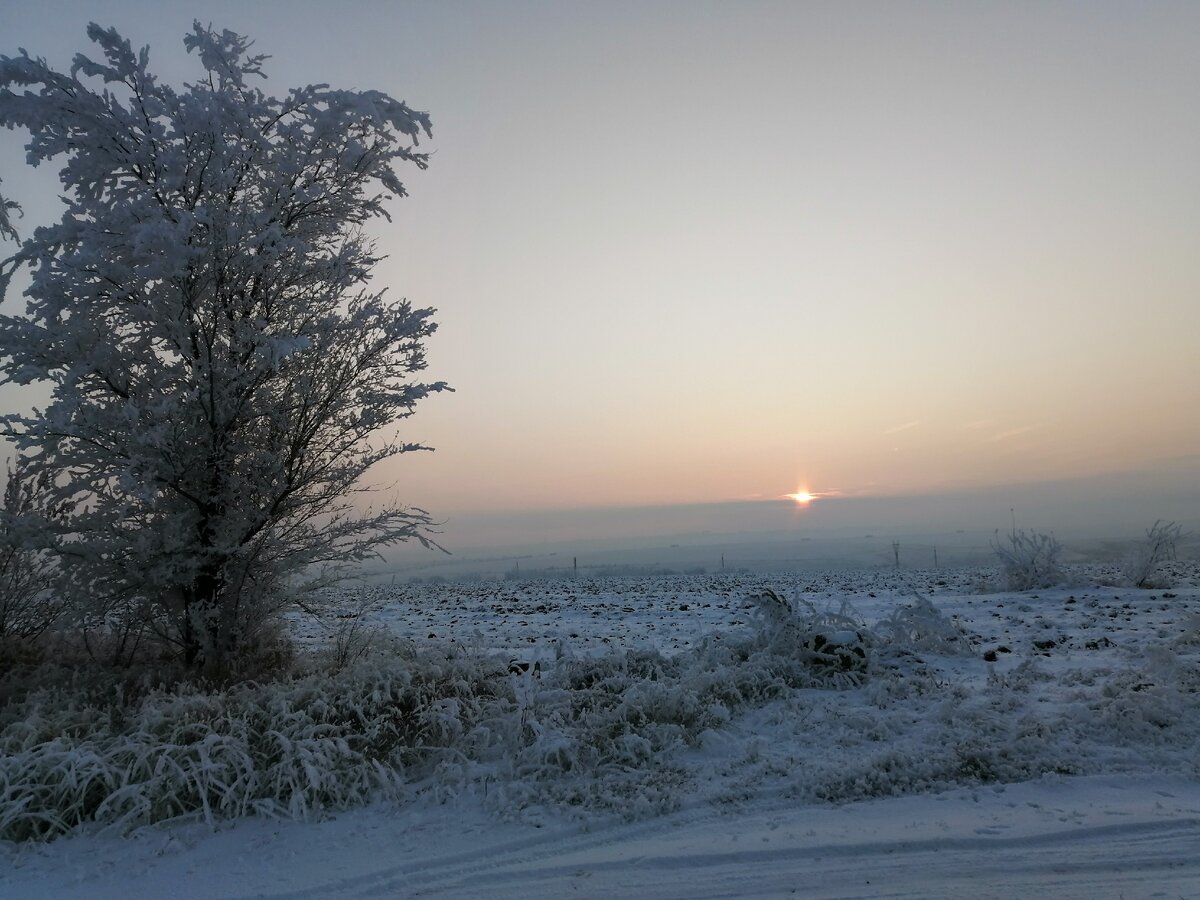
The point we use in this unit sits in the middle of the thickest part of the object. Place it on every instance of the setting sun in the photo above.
(802, 496)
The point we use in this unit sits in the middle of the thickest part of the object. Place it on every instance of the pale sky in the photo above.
(697, 252)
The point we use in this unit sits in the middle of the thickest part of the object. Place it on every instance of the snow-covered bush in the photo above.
(921, 626)
(1144, 565)
(829, 644)
(92, 757)
(1029, 560)
(620, 710)
(1189, 630)
(352, 638)
(606, 732)
(222, 371)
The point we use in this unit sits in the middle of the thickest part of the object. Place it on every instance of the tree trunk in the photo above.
(202, 618)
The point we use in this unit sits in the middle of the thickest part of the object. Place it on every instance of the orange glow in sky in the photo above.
(904, 221)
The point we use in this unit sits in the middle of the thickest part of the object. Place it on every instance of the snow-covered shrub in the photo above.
(73, 758)
(1154, 703)
(620, 707)
(1144, 565)
(352, 639)
(1189, 629)
(920, 626)
(956, 736)
(602, 732)
(1029, 560)
(831, 645)
(1005, 756)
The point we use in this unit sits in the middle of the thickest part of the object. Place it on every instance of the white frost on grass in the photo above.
(656, 702)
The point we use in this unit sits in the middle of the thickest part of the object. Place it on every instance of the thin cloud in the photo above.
(905, 427)
(1011, 433)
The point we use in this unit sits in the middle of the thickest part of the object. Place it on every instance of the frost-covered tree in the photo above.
(222, 372)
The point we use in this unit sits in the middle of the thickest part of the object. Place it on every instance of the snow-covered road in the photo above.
(1086, 838)
(1093, 837)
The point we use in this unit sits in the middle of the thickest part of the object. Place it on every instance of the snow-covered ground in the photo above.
(1002, 743)
(1090, 837)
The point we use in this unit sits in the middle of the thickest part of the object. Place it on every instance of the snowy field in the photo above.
(661, 737)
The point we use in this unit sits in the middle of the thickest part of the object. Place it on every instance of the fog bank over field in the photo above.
(1094, 516)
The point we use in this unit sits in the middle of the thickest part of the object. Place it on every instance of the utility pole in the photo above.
(722, 562)
(575, 565)
(896, 552)
(935, 565)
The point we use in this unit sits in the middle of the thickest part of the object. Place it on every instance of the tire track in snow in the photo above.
(399, 880)
(1088, 863)
(907, 847)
